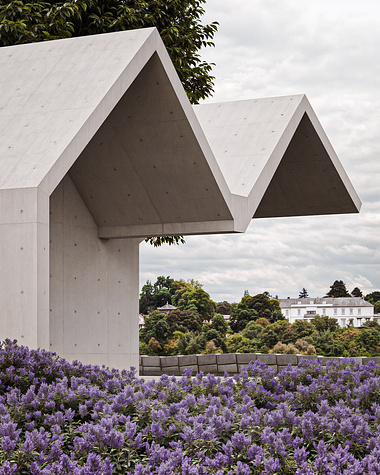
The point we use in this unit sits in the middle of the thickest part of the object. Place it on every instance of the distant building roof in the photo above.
(167, 308)
(331, 302)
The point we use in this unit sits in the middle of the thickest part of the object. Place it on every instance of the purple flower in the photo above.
(7, 468)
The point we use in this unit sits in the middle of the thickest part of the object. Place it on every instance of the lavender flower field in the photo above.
(62, 418)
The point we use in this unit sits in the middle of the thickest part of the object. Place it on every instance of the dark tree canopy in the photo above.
(185, 321)
(303, 294)
(224, 308)
(357, 292)
(373, 297)
(240, 317)
(338, 289)
(153, 296)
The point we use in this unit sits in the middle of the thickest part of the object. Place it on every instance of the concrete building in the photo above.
(353, 310)
(99, 148)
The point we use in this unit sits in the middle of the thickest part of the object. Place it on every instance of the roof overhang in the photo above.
(109, 110)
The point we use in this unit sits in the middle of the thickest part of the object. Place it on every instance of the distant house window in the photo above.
(343, 320)
(335, 311)
(299, 311)
(311, 302)
(299, 303)
(351, 311)
(287, 313)
(343, 311)
(359, 311)
(323, 311)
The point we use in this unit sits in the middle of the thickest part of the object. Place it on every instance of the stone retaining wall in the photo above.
(228, 362)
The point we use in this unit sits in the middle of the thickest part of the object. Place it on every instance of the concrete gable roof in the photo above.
(110, 111)
(274, 152)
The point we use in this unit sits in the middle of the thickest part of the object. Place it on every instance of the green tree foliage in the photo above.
(300, 347)
(192, 344)
(327, 344)
(194, 299)
(157, 241)
(153, 296)
(240, 317)
(219, 324)
(357, 292)
(184, 332)
(299, 330)
(252, 308)
(373, 297)
(185, 321)
(303, 294)
(323, 322)
(261, 303)
(157, 327)
(179, 23)
(224, 308)
(338, 289)
(369, 340)
(237, 343)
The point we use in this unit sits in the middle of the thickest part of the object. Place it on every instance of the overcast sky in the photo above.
(330, 51)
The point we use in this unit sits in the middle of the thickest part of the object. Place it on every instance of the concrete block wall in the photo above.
(231, 363)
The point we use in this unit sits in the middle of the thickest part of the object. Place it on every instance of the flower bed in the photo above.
(62, 418)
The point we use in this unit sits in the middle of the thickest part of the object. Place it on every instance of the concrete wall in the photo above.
(93, 286)
(219, 363)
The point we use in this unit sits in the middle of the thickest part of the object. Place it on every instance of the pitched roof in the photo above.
(166, 307)
(110, 111)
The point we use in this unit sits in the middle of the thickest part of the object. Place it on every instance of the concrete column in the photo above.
(93, 286)
(24, 267)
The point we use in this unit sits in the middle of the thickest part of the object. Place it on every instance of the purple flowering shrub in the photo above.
(62, 418)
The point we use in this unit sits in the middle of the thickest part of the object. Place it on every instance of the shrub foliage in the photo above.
(62, 418)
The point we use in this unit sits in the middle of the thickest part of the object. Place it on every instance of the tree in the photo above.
(338, 289)
(194, 299)
(157, 327)
(369, 340)
(373, 297)
(324, 322)
(240, 317)
(224, 308)
(357, 292)
(263, 305)
(299, 330)
(303, 294)
(156, 295)
(185, 321)
(219, 324)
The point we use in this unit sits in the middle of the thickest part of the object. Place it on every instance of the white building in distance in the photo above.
(349, 310)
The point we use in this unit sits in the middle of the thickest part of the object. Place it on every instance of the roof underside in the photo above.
(144, 165)
(270, 152)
